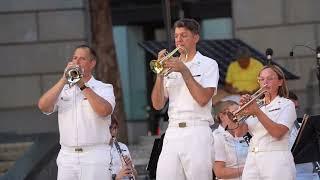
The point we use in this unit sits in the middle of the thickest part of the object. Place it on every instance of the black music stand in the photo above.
(154, 157)
(306, 147)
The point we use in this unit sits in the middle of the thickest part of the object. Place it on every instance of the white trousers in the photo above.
(93, 163)
(186, 154)
(270, 165)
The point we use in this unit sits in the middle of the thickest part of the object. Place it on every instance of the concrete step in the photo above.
(12, 151)
(140, 154)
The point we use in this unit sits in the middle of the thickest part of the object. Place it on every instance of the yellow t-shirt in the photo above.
(244, 79)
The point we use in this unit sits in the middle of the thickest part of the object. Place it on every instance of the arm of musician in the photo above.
(101, 106)
(200, 94)
(223, 172)
(230, 89)
(274, 129)
(129, 163)
(157, 96)
(124, 172)
(47, 100)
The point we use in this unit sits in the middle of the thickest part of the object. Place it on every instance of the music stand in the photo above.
(306, 147)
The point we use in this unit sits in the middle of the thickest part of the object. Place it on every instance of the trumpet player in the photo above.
(269, 156)
(83, 116)
(121, 162)
(189, 86)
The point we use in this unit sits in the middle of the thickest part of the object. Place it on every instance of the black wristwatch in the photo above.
(84, 86)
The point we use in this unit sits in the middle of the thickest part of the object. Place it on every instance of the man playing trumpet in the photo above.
(84, 116)
(189, 86)
(269, 156)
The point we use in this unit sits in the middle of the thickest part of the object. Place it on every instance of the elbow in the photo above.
(105, 112)
(42, 106)
(204, 102)
(277, 136)
(158, 105)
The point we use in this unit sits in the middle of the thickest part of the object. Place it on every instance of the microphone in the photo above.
(301, 45)
(269, 53)
(318, 54)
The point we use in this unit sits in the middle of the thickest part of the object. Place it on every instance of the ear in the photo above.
(196, 38)
(280, 82)
(93, 63)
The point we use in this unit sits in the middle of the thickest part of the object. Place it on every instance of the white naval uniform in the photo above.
(84, 135)
(268, 157)
(187, 145)
(231, 150)
(116, 163)
(304, 170)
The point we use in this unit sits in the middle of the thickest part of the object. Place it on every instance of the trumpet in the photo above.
(73, 74)
(157, 65)
(238, 115)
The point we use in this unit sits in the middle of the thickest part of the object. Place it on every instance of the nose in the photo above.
(75, 61)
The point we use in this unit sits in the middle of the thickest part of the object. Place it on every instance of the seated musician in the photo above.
(270, 124)
(120, 170)
(230, 151)
(305, 171)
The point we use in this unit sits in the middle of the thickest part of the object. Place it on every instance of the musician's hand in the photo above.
(162, 53)
(128, 160)
(175, 65)
(251, 109)
(69, 65)
(124, 171)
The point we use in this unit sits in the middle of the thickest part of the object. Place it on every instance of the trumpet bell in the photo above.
(156, 66)
(73, 75)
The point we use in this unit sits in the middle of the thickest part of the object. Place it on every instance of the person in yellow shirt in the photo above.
(241, 77)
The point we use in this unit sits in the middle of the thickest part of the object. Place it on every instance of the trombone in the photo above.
(157, 65)
(238, 114)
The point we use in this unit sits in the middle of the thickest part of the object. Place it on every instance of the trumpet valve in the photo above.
(156, 66)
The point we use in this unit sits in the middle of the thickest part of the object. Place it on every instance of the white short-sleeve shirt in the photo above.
(116, 163)
(79, 125)
(280, 110)
(231, 150)
(182, 106)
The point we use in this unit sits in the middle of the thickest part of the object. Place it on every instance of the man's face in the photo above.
(185, 38)
(81, 57)
(244, 62)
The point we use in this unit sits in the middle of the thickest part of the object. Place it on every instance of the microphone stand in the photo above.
(318, 67)
(317, 51)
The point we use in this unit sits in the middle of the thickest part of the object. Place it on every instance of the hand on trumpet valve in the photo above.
(162, 53)
(174, 65)
(250, 108)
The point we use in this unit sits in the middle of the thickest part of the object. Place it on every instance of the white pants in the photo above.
(93, 163)
(270, 165)
(186, 154)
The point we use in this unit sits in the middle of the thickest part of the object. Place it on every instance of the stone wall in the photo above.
(281, 24)
(36, 39)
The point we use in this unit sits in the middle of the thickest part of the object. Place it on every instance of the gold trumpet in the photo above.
(238, 115)
(157, 65)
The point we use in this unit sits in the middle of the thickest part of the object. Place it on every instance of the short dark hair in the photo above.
(243, 52)
(190, 24)
(93, 53)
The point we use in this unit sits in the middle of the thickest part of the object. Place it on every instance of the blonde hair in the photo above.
(220, 107)
(283, 89)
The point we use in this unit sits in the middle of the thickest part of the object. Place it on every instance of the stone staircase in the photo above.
(10, 152)
(140, 155)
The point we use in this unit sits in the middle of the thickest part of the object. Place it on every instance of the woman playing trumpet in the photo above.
(269, 156)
